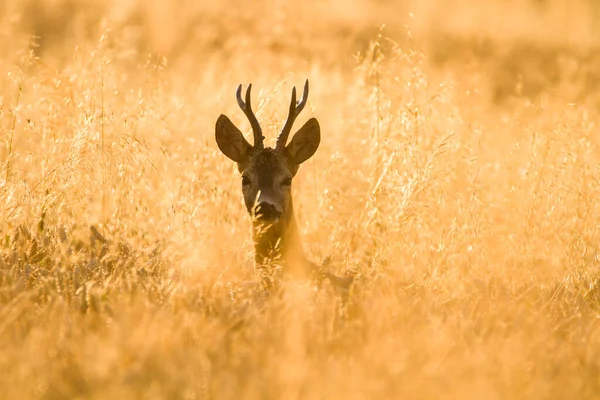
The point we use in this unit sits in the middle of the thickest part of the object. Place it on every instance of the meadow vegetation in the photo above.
(457, 177)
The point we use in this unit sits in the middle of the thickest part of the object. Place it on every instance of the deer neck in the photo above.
(278, 243)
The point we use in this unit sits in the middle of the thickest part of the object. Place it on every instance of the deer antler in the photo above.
(247, 109)
(295, 109)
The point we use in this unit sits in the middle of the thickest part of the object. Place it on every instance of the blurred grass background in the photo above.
(457, 173)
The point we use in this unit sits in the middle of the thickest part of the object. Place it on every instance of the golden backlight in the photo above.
(458, 177)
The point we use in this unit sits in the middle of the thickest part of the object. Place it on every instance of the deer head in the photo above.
(267, 173)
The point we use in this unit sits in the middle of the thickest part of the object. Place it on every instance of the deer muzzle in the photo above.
(266, 211)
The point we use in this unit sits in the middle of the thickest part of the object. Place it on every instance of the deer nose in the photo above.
(266, 211)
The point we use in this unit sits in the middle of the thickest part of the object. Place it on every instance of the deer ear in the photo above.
(305, 142)
(230, 140)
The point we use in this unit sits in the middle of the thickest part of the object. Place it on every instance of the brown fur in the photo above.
(266, 184)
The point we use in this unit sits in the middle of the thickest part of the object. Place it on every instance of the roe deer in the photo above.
(267, 188)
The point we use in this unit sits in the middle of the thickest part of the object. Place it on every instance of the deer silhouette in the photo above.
(267, 175)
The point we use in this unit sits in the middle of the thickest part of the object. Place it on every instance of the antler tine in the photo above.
(247, 109)
(295, 109)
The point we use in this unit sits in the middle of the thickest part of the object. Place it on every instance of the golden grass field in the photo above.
(458, 177)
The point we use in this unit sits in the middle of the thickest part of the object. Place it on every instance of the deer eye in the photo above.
(245, 180)
(287, 182)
